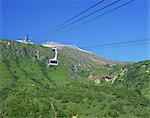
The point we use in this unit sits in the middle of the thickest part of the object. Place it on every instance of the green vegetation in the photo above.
(29, 89)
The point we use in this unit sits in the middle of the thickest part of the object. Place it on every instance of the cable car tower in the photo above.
(26, 39)
(54, 61)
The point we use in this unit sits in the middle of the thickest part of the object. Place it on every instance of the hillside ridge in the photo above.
(81, 84)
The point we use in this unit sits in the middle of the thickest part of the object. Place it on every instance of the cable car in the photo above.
(54, 61)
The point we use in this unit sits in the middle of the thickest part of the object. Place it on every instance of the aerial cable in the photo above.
(120, 46)
(95, 18)
(82, 18)
(79, 14)
(70, 19)
(144, 40)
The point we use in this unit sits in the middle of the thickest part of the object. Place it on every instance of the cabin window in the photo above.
(53, 61)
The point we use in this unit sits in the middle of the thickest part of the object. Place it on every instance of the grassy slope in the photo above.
(29, 89)
(138, 77)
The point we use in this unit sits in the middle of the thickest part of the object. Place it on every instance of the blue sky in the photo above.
(35, 17)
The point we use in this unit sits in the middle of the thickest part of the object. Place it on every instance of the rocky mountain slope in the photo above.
(25, 57)
(82, 85)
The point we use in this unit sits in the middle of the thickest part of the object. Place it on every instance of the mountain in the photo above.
(25, 57)
(82, 85)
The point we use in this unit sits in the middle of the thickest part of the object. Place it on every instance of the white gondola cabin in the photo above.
(54, 61)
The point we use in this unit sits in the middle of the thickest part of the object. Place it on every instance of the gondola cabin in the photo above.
(54, 61)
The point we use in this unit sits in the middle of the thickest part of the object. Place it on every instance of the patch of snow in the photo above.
(147, 71)
(83, 50)
(143, 66)
(53, 44)
(22, 41)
